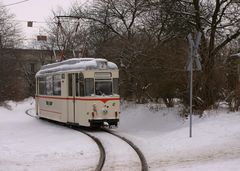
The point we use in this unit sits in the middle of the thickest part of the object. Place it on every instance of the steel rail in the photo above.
(101, 161)
(102, 157)
(144, 165)
(27, 112)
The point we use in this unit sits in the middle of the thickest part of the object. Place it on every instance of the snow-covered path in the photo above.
(30, 144)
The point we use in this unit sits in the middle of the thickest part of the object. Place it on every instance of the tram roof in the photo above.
(77, 64)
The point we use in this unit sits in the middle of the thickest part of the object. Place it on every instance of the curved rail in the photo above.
(28, 113)
(102, 157)
(144, 164)
(98, 142)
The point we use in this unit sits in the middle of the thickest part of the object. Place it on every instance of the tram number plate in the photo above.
(49, 103)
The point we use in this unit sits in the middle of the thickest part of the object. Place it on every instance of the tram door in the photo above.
(72, 79)
(75, 89)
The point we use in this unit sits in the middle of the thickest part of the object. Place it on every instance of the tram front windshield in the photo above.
(103, 88)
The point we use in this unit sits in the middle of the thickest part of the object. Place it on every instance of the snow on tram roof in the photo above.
(77, 64)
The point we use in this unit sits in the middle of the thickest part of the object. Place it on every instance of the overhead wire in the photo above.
(19, 2)
(46, 22)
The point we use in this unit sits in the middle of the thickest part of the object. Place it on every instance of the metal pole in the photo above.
(191, 91)
(194, 57)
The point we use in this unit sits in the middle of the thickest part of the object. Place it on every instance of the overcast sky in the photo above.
(35, 10)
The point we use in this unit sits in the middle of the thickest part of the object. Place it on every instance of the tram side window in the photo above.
(81, 84)
(70, 84)
(49, 85)
(89, 86)
(42, 85)
(115, 86)
(57, 85)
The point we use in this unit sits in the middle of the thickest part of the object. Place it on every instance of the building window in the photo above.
(32, 67)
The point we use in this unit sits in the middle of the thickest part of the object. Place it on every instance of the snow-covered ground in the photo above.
(30, 144)
(164, 138)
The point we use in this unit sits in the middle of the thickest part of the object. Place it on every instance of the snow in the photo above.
(77, 64)
(28, 143)
(116, 158)
(215, 144)
(237, 55)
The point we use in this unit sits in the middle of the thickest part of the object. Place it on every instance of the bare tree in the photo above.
(219, 23)
(132, 33)
(221, 28)
(147, 38)
(9, 30)
(66, 33)
(114, 27)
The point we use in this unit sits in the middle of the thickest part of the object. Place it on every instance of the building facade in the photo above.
(17, 71)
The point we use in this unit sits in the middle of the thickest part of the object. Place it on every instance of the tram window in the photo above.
(70, 84)
(57, 85)
(49, 85)
(42, 85)
(81, 85)
(89, 86)
(115, 86)
(103, 88)
(81, 77)
(77, 84)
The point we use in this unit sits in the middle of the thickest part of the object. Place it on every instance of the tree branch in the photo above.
(225, 42)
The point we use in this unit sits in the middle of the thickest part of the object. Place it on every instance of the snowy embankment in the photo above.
(164, 138)
(30, 144)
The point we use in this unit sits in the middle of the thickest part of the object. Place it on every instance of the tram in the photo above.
(82, 91)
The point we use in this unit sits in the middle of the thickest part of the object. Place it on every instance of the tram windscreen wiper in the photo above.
(103, 88)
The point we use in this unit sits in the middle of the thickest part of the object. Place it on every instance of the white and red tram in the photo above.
(81, 91)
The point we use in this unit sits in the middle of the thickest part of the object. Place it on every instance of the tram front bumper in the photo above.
(100, 122)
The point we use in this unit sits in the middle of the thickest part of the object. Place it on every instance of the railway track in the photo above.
(102, 157)
(28, 112)
(89, 132)
(144, 165)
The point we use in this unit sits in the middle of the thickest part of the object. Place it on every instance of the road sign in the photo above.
(194, 57)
